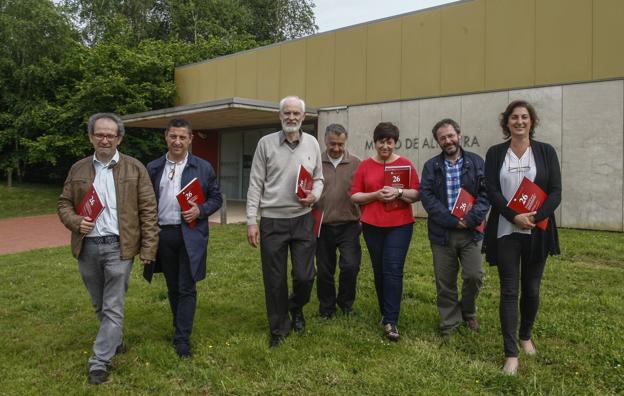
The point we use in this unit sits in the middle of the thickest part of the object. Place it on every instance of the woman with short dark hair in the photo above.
(387, 220)
(512, 241)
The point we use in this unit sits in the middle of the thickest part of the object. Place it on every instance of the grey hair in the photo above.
(338, 129)
(292, 97)
(111, 116)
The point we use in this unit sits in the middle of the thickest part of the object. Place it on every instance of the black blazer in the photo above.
(548, 177)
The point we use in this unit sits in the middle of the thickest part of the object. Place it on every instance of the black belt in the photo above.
(169, 226)
(103, 240)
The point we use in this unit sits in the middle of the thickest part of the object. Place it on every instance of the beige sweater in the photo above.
(273, 177)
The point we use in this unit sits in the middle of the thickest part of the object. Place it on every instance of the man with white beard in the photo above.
(285, 219)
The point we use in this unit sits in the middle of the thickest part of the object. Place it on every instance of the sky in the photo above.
(335, 14)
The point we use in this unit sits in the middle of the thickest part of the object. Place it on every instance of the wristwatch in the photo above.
(400, 190)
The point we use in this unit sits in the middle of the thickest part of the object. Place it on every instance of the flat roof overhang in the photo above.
(216, 114)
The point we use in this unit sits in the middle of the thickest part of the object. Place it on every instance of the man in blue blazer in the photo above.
(182, 248)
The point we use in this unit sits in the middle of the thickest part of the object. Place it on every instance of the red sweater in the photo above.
(369, 177)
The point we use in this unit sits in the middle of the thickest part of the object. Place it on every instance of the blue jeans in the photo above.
(387, 247)
(106, 277)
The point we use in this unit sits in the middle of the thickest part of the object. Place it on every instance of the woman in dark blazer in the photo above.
(512, 241)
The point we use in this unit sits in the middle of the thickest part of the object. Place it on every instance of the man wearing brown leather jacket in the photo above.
(105, 247)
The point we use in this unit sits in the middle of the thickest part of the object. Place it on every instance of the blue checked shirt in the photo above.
(453, 185)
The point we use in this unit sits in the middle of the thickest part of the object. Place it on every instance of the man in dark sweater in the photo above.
(286, 222)
(340, 228)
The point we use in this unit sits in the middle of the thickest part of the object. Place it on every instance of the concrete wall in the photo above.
(584, 122)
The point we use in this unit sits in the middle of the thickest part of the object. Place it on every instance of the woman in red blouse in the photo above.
(387, 219)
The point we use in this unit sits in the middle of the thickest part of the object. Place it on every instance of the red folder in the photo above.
(192, 192)
(318, 220)
(529, 197)
(463, 203)
(91, 205)
(304, 181)
(397, 176)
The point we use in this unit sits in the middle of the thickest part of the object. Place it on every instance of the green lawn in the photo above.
(25, 199)
(47, 328)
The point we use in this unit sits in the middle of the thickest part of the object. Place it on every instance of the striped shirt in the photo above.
(453, 172)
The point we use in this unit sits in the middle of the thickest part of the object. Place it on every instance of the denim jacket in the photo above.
(434, 198)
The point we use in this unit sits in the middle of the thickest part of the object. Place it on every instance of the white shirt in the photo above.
(336, 161)
(170, 184)
(106, 223)
(512, 172)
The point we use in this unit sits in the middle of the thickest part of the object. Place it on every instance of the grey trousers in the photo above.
(461, 249)
(277, 236)
(106, 277)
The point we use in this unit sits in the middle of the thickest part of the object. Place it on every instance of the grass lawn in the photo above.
(47, 327)
(25, 199)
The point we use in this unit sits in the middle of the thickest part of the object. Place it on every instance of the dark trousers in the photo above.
(276, 237)
(346, 238)
(515, 267)
(387, 247)
(176, 267)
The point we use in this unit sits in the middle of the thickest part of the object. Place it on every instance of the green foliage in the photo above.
(61, 64)
(262, 21)
(48, 326)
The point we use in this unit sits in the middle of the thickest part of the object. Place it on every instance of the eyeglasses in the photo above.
(101, 136)
(172, 172)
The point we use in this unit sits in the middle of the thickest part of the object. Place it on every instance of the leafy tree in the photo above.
(132, 21)
(35, 37)
(60, 64)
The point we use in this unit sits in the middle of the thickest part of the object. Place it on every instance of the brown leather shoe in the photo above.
(473, 324)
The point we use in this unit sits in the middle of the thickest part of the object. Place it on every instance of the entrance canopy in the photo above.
(216, 114)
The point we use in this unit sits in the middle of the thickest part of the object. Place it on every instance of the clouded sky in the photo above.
(334, 14)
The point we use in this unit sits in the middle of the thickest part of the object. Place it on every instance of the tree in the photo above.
(131, 21)
(35, 37)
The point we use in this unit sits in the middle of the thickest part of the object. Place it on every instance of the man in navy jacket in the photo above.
(182, 248)
(454, 240)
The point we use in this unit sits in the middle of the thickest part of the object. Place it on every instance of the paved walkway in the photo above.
(20, 234)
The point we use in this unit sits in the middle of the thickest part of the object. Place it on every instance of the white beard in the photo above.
(290, 128)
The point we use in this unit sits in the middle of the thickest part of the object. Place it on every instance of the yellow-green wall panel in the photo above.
(563, 41)
(608, 39)
(350, 77)
(383, 61)
(420, 64)
(226, 77)
(268, 61)
(293, 68)
(463, 47)
(186, 85)
(246, 75)
(320, 61)
(510, 44)
(207, 82)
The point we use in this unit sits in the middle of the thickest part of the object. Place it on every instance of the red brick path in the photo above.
(26, 233)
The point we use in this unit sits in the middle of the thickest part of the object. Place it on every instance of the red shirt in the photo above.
(369, 177)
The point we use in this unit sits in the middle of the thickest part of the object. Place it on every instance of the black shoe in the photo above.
(121, 349)
(183, 350)
(97, 377)
(298, 321)
(347, 311)
(391, 332)
(326, 315)
(276, 340)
